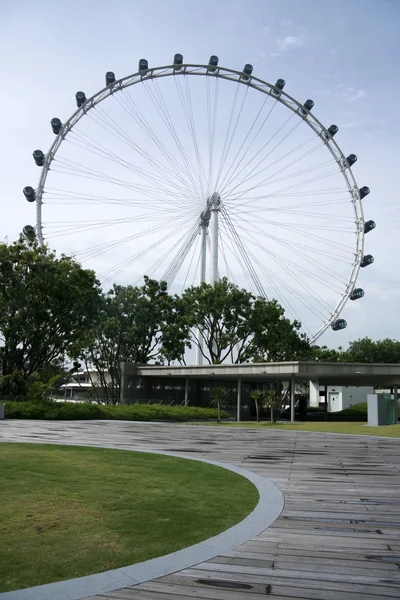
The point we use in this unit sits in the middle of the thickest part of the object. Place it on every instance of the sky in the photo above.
(344, 55)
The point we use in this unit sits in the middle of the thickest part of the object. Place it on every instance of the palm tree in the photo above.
(256, 395)
(218, 395)
(271, 401)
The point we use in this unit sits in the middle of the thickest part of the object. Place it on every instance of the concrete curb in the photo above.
(268, 509)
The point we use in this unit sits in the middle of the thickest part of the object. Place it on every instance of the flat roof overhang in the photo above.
(327, 373)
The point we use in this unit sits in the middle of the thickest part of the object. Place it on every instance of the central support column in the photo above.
(215, 207)
(292, 399)
(239, 400)
(202, 278)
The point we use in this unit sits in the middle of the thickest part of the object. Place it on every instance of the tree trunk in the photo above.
(257, 411)
(272, 414)
(219, 413)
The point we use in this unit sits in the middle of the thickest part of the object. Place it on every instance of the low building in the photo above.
(82, 386)
(339, 396)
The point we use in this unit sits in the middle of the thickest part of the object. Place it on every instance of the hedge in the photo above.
(137, 412)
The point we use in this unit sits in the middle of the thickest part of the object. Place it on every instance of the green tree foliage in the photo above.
(238, 327)
(46, 305)
(380, 351)
(364, 350)
(136, 324)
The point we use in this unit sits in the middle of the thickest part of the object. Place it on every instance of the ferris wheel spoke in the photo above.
(290, 242)
(191, 262)
(116, 270)
(229, 171)
(68, 168)
(319, 312)
(147, 175)
(107, 246)
(255, 173)
(243, 252)
(72, 227)
(307, 253)
(299, 229)
(270, 181)
(237, 254)
(229, 137)
(56, 196)
(329, 173)
(109, 124)
(212, 109)
(179, 258)
(159, 104)
(284, 264)
(189, 116)
(264, 146)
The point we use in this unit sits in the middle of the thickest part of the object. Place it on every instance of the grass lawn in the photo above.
(330, 427)
(69, 511)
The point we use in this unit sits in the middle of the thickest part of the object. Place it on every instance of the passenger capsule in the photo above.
(280, 84)
(364, 191)
(29, 233)
(213, 63)
(143, 65)
(80, 98)
(308, 105)
(339, 324)
(332, 130)
(56, 125)
(29, 193)
(369, 226)
(356, 294)
(110, 78)
(178, 60)
(38, 157)
(351, 159)
(368, 259)
(247, 71)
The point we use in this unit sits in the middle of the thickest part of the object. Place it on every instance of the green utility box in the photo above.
(382, 409)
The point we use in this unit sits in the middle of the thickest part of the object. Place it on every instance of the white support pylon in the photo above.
(215, 207)
(202, 278)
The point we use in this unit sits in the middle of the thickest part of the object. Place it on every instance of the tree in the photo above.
(369, 351)
(325, 354)
(136, 324)
(256, 395)
(46, 306)
(234, 325)
(271, 401)
(218, 396)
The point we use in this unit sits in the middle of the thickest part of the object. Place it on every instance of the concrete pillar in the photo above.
(187, 391)
(314, 393)
(326, 403)
(292, 399)
(239, 400)
(396, 404)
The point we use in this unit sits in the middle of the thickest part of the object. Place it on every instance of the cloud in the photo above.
(357, 95)
(266, 30)
(349, 93)
(274, 54)
(291, 41)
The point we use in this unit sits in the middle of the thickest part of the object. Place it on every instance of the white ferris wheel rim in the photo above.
(249, 81)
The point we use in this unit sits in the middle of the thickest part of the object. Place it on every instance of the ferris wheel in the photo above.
(192, 172)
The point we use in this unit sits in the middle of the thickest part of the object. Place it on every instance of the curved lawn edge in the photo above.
(268, 509)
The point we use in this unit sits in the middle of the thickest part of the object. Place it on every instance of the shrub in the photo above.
(137, 412)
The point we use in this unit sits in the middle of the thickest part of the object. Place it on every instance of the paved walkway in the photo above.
(337, 538)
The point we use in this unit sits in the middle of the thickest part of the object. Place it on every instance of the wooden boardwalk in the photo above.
(338, 537)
